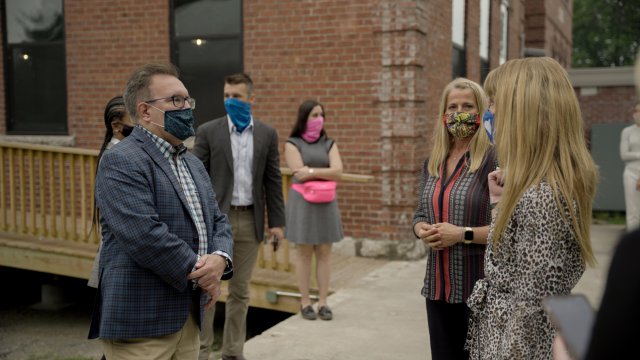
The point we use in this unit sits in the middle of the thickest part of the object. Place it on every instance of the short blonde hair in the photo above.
(442, 140)
(538, 122)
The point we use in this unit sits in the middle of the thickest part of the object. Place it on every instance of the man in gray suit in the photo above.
(241, 155)
(166, 244)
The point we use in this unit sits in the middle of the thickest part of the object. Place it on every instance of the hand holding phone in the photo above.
(573, 317)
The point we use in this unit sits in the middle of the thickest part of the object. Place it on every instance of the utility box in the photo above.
(605, 149)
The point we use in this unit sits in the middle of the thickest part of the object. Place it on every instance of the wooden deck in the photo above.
(46, 201)
(270, 288)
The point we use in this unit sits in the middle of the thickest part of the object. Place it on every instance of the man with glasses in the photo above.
(241, 154)
(166, 243)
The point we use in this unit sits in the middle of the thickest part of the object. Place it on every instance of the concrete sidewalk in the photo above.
(384, 316)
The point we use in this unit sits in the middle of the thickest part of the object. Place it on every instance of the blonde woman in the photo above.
(453, 215)
(540, 233)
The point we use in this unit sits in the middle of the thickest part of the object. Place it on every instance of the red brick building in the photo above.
(378, 67)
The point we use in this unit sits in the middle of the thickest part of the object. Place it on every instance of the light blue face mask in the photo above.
(239, 112)
(487, 121)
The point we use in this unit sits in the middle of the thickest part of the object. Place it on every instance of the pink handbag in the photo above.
(317, 192)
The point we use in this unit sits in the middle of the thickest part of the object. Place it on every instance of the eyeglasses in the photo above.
(178, 101)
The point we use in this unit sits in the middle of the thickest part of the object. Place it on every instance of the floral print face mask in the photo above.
(462, 124)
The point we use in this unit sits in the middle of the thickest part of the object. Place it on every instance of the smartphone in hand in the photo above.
(275, 243)
(573, 317)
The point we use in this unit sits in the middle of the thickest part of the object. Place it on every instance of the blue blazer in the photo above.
(150, 241)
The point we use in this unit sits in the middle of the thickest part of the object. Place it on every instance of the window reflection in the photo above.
(36, 71)
(34, 21)
(207, 46)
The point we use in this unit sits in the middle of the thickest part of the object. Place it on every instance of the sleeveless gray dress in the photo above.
(309, 223)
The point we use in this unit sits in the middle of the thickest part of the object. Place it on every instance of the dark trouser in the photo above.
(448, 325)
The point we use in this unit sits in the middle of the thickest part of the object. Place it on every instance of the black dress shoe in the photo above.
(232, 357)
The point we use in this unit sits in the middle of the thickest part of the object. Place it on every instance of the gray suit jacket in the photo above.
(213, 146)
(150, 241)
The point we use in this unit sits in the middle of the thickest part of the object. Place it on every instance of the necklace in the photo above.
(457, 157)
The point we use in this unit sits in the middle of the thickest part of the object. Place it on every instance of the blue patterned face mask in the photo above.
(487, 121)
(239, 112)
(178, 123)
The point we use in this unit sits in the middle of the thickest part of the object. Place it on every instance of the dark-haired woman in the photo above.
(313, 227)
(118, 126)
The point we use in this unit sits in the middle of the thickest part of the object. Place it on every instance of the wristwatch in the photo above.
(468, 236)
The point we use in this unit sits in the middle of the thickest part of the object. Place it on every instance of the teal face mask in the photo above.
(178, 123)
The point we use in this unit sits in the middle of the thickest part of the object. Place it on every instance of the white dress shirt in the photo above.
(242, 149)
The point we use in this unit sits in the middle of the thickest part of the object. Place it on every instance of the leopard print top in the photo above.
(538, 256)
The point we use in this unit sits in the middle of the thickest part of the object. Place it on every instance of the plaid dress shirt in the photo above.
(174, 155)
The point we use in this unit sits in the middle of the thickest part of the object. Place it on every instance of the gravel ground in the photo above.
(57, 328)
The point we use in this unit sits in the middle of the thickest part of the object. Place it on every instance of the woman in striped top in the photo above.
(453, 215)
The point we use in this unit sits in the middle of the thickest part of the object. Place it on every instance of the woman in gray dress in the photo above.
(313, 227)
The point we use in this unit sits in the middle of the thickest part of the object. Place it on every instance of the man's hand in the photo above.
(277, 236)
(209, 270)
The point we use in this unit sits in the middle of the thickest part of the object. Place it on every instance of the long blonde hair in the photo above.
(442, 141)
(539, 136)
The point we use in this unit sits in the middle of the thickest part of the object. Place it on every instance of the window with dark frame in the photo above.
(206, 46)
(485, 39)
(35, 68)
(458, 39)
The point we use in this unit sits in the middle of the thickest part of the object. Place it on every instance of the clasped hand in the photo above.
(302, 174)
(209, 270)
(496, 183)
(439, 236)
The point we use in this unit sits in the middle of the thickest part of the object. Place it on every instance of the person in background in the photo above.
(539, 240)
(630, 154)
(166, 244)
(452, 217)
(619, 314)
(118, 125)
(241, 155)
(313, 227)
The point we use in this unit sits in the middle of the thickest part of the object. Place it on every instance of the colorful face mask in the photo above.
(487, 121)
(313, 130)
(239, 112)
(462, 124)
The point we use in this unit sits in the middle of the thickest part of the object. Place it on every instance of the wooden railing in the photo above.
(281, 260)
(47, 192)
(46, 206)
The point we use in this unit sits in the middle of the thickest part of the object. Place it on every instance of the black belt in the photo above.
(242, 207)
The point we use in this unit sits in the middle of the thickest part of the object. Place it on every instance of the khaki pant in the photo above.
(183, 345)
(245, 254)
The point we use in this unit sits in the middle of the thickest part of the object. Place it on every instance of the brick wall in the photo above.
(608, 105)
(105, 41)
(549, 27)
(378, 66)
(3, 111)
